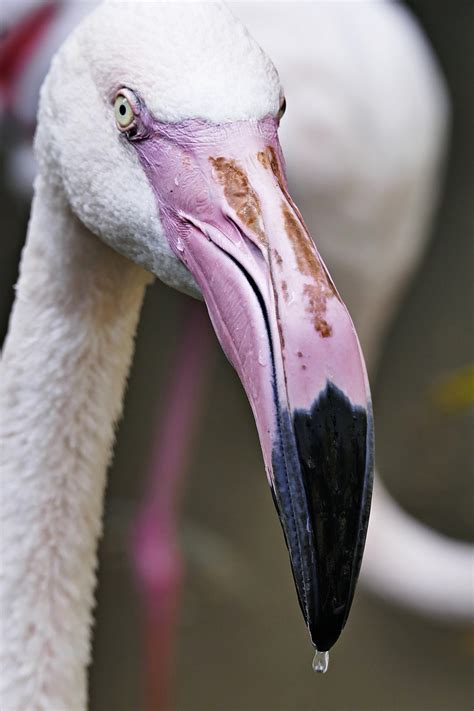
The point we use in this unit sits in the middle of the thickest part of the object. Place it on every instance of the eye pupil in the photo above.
(122, 110)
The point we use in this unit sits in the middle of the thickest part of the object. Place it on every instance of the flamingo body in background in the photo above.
(156, 158)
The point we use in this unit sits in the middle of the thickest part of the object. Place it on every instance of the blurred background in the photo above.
(242, 645)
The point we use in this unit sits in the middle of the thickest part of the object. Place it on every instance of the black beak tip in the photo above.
(323, 472)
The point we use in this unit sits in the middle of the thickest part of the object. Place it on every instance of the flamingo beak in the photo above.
(227, 214)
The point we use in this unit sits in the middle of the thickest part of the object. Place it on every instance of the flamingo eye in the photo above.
(124, 116)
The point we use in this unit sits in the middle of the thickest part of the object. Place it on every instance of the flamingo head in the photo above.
(159, 122)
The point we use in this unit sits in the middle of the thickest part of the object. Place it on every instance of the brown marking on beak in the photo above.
(239, 194)
(308, 264)
(278, 258)
(282, 341)
(262, 158)
(276, 169)
(268, 158)
(284, 288)
(306, 258)
(317, 296)
(271, 161)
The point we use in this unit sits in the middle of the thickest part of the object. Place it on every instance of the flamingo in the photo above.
(156, 159)
(409, 579)
(371, 247)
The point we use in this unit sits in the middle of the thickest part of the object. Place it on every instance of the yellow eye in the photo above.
(124, 115)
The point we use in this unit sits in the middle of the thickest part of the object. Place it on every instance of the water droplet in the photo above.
(261, 358)
(321, 662)
(179, 245)
(176, 181)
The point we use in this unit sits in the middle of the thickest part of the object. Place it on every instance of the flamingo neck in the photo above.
(62, 378)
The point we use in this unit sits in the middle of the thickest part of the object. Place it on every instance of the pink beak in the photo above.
(225, 208)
